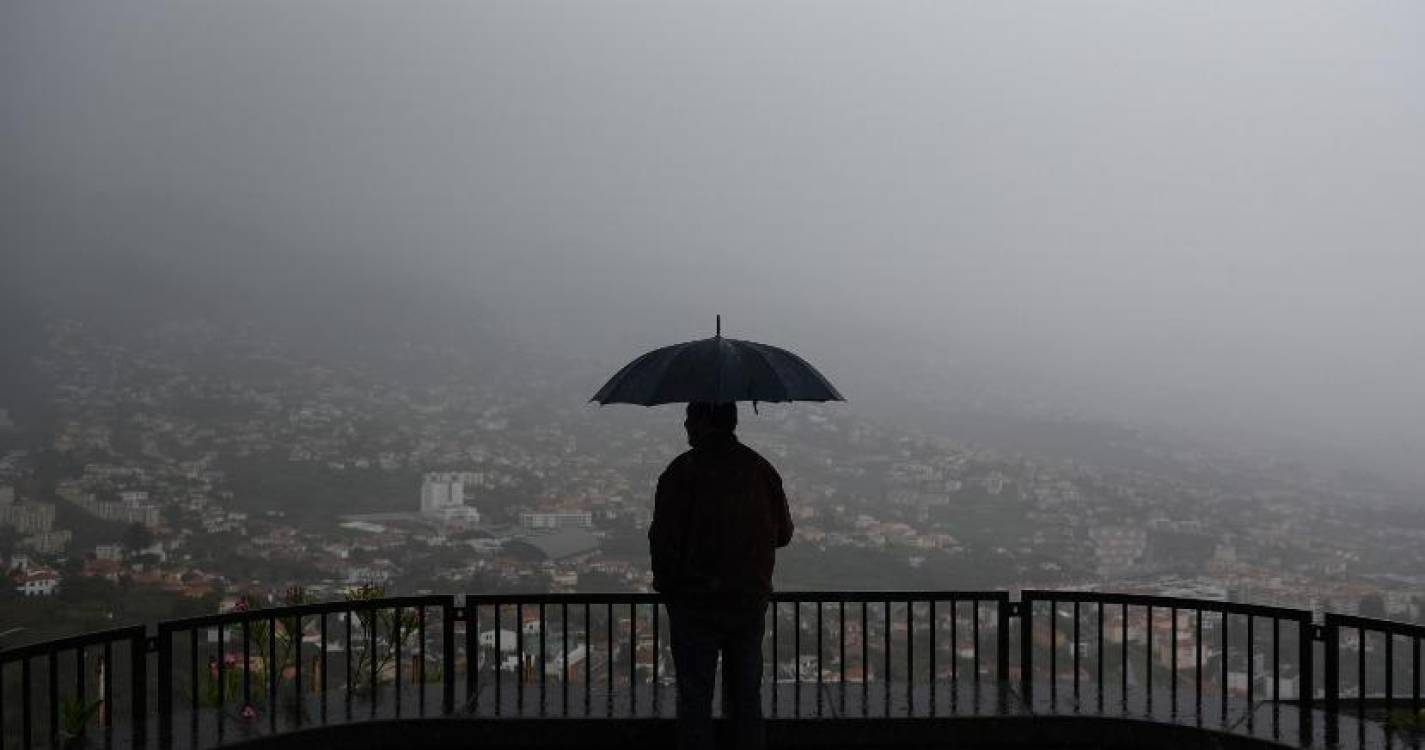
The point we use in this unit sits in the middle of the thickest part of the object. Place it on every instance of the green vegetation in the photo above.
(88, 604)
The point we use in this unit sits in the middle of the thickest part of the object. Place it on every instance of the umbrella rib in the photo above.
(775, 372)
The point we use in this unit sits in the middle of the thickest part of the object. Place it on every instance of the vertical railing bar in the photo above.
(1276, 676)
(349, 615)
(954, 646)
(1197, 664)
(1251, 663)
(819, 607)
(776, 660)
(1053, 654)
(52, 665)
(1100, 656)
(1361, 673)
(1076, 654)
(886, 644)
(564, 659)
(1148, 661)
(934, 646)
(447, 655)
(1123, 648)
(543, 661)
(1226, 650)
(107, 680)
(1389, 671)
(246, 661)
(499, 660)
(322, 666)
(1026, 646)
(656, 606)
(1306, 663)
(633, 658)
(519, 656)
(1276, 659)
(588, 660)
(3, 733)
(1173, 644)
(472, 655)
(165, 687)
(138, 690)
(396, 650)
(272, 670)
(420, 671)
(910, 656)
(1415, 674)
(609, 659)
(26, 721)
(975, 631)
(865, 657)
(841, 645)
(797, 658)
(221, 665)
(80, 688)
(297, 670)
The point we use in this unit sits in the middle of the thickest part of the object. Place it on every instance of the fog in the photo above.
(1204, 217)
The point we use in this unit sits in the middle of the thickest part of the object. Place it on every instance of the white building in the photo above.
(39, 582)
(557, 520)
(443, 497)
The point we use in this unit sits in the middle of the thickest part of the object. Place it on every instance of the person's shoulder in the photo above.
(680, 463)
(751, 455)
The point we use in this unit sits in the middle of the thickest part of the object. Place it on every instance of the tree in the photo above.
(137, 537)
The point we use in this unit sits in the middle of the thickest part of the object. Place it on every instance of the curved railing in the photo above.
(1269, 673)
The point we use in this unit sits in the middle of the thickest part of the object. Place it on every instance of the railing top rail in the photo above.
(1371, 623)
(72, 642)
(304, 610)
(1166, 602)
(890, 595)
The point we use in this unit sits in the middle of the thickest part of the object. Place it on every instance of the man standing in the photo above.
(718, 517)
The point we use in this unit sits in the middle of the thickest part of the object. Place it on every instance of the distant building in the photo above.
(109, 552)
(557, 520)
(27, 518)
(37, 582)
(1118, 548)
(47, 542)
(562, 544)
(7, 496)
(443, 497)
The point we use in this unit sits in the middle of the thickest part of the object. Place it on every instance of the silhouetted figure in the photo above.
(718, 518)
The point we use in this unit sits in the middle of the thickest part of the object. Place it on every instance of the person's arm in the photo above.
(665, 533)
(781, 512)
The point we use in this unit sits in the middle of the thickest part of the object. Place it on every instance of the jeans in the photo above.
(700, 630)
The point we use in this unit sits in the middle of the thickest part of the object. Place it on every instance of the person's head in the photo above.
(707, 419)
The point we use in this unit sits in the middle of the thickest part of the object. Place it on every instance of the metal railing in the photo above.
(870, 654)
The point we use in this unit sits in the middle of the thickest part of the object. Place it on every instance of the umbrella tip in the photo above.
(719, 326)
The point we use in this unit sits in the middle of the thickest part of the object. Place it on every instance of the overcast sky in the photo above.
(1199, 212)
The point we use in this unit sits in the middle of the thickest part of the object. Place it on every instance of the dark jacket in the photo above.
(718, 517)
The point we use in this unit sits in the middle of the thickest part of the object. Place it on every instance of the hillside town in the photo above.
(215, 473)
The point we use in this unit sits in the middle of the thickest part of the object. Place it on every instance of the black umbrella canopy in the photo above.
(717, 369)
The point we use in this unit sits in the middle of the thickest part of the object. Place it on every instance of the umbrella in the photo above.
(716, 369)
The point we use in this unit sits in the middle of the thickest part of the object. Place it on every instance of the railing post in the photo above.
(165, 687)
(1026, 648)
(1332, 655)
(447, 638)
(1306, 690)
(1001, 651)
(138, 686)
